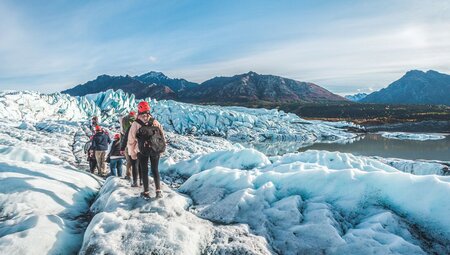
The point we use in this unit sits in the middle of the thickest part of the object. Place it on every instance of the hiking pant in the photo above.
(100, 156)
(128, 159)
(143, 166)
(135, 169)
(115, 166)
(92, 165)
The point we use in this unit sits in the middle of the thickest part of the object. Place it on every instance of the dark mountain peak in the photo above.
(253, 87)
(436, 73)
(159, 78)
(418, 74)
(153, 75)
(103, 77)
(414, 73)
(415, 87)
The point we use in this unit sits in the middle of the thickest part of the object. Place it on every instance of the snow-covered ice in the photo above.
(231, 199)
(412, 136)
(44, 200)
(325, 202)
(417, 167)
(126, 224)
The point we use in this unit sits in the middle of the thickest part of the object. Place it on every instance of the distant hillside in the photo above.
(125, 83)
(239, 88)
(250, 87)
(356, 97)
(415, 87)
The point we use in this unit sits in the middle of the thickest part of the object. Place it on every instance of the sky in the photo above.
(344, 46)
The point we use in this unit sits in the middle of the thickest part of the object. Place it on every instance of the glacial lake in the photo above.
(371, 144)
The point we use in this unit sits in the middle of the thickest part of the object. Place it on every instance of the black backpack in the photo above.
(151, 141)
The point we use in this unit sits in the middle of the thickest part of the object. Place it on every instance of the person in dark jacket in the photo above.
(100, 145)
(116, 160)
(89, 150)
(125, 127)
(93, 124)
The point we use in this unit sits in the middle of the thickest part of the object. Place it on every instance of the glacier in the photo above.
(222, 194)
(412, 136)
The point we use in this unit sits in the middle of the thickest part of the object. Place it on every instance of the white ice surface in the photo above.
(233, 123)
(312, 202)
(412, 136)
(127, 224)
(319, 201)
(42, 198)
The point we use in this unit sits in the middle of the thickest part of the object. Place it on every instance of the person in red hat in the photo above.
(144, 118)
(100, 144)
(115, 158)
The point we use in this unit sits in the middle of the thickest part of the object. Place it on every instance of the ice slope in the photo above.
(417, 167)
(412, 136)
(321, 202)
(126, 224)
(233, 123)
(43, 199)
(33, 106)
(311, 202)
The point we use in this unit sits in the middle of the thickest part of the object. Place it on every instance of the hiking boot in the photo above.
(145, 195)
(127, 178)
(134, 184)
(158, 194)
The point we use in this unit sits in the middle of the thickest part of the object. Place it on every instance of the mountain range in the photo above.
(415, 87)
(248, 87)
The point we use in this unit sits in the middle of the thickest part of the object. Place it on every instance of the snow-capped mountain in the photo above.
(356, 97)
(219, 196)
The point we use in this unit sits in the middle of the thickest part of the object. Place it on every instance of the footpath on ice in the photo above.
(127, 224)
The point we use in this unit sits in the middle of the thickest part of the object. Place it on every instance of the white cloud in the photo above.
(345, 53)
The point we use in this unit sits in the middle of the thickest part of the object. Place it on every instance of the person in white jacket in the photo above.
(140, 160)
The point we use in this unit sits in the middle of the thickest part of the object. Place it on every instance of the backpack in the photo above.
(126, 122)
(151, 141)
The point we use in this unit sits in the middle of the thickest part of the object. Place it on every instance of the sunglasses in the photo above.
(143, 113)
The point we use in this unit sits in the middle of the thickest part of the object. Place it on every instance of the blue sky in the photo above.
(344, 46)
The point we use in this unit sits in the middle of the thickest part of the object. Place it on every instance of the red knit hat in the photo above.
(98, 128)
(143, 107)
(116, 136)
(132, 113)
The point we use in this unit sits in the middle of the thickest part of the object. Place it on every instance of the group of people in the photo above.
(140, 140)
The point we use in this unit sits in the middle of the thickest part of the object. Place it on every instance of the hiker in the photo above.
(93, 124)
(125, 124)
(141, 147)
(89, 150)
(116, 160)
(100, 145)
